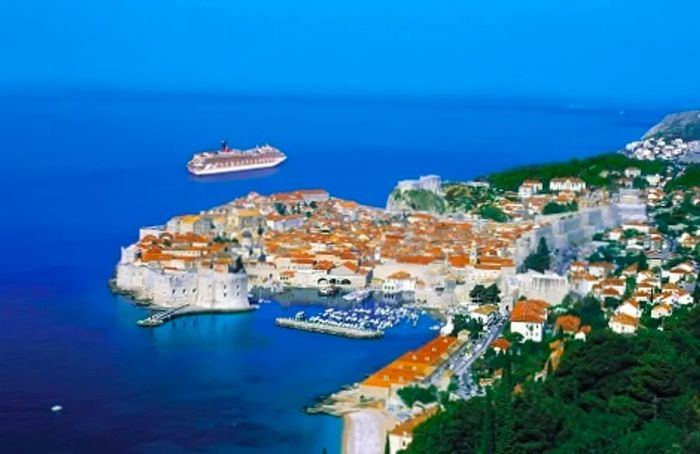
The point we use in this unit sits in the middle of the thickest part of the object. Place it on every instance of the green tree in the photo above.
(492, 212)
(412, 394)
(539, 260)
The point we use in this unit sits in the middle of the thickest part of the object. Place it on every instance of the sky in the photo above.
(610, 49)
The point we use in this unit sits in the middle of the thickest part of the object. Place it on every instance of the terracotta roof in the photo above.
(567, 323)
(399, 275)
(529, 311)
(624, 319)
(407, 427)
(501, 343)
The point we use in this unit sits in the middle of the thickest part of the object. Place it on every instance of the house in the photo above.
(348, 209)
(601, 269)
(583, 332)
(402, 435)
(677, 274)
(624, 324)
(661, 310)
(279, 222)
(528, 318)
(616, 284)
(500, 345)
(484, 314)
(632, 172)
(568, 324)
(630, 307)
(572, 184)
(529, 188)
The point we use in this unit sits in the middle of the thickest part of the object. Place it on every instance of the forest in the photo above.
(611, 393)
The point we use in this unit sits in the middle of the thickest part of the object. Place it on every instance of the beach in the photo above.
(364, 432)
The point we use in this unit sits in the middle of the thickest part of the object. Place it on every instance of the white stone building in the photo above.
(205, 289)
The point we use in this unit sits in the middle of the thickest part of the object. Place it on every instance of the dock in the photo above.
(343, 331)
(159, 318)
(163, 316)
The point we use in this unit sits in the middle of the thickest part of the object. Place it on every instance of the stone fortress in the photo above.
(220, 289)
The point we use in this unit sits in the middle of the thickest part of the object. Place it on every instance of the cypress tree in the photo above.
(487, 434)
(503, 419)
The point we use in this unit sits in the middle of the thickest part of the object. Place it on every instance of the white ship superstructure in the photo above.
(232, 160)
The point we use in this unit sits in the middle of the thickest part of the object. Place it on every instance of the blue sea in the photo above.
(80, 172)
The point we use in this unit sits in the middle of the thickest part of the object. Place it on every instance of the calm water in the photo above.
(81, 173)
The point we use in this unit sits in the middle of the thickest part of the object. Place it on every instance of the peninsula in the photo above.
(529, 270)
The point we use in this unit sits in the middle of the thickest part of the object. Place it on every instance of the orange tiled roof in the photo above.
(501, 343)
(567, 323)
(529, 311)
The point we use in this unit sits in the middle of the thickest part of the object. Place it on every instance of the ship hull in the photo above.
(244, 168)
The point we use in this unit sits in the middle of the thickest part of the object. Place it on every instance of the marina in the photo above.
(367, 321)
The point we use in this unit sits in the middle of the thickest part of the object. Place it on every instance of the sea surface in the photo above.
(80, 172)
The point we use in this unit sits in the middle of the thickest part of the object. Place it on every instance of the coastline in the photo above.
(189, 311)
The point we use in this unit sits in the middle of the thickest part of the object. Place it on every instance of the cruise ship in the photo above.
(227, 160)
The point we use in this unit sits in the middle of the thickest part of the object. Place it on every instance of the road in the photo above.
(461, 361)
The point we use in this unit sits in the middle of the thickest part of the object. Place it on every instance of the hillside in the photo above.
(416, 200)
(591, 170)
(682, 125)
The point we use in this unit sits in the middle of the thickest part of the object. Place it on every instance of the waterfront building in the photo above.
(222, 288)
(399, 283)
(411, 368)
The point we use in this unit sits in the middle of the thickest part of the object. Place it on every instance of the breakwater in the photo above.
(355, 333)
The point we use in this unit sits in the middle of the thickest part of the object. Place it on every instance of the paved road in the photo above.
(461, 360)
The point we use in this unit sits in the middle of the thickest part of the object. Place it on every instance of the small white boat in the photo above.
(56, 408)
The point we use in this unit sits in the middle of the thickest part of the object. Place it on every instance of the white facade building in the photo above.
(205, 289)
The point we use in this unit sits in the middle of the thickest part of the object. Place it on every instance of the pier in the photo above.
(354, 333)
(159, 318)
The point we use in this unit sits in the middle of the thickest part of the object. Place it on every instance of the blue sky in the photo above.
(620, 49)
